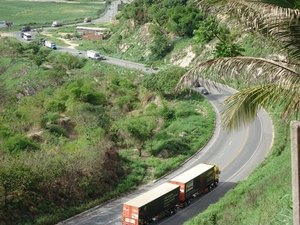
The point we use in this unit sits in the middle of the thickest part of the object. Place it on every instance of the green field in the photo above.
(40, 12)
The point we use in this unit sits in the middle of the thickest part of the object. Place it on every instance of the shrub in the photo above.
(164, 81)
(160, 46)
(66, 61)
(55, 106)
(170, 147)
(83, 91)
(57, 130)
(51, 117)
(228, 48)
(102, 118)
(17, 143)
(183, 20)
(127, 102)
(208, 29)
(167, 113)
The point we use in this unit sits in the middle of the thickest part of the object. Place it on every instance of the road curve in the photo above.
(237, 153)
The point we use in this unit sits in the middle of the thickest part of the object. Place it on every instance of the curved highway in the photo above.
(237, 153)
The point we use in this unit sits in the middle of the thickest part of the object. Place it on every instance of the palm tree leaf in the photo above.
(242, 107)
(281, 23)
(288, 33)
(249, 70)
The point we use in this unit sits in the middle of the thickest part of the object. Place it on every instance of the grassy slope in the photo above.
(46, 94)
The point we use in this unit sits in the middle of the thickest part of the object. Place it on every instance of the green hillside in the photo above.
(265, 197)
(75, 133)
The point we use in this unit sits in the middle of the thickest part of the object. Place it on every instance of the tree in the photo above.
(160, 46)
(140, 129)
(279, 81)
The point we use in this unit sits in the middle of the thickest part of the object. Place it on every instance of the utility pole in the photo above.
(295, 139)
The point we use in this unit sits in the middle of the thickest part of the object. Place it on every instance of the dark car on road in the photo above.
(204, 91)
(25, 28)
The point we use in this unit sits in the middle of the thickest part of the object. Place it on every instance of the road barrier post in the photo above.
(295, 139)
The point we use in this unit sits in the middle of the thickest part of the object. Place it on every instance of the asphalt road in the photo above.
(237, 153)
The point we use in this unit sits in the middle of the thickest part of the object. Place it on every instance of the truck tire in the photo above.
(216, 183)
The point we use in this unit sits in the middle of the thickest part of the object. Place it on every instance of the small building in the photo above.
(3, 24)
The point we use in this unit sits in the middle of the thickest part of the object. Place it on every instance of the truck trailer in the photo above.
(197, 180)
(94, 55)
(50, 44)
(157, 202)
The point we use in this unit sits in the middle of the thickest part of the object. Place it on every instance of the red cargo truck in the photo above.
(199, 179)
(155, 203)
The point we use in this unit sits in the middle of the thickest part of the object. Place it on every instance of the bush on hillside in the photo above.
(160, 47)
(165, 81)
(207, 30)
(17, 143)
(84, 91)
(66, 61)
(170, 147)
(177, 16)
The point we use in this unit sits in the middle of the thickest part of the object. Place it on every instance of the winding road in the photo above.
(237, 153)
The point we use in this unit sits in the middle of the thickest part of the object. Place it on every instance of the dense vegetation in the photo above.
(265, 198)
(148, 31)
(80, 124)
(74, 133)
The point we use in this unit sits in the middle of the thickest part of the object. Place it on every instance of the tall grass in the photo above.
(31, 12)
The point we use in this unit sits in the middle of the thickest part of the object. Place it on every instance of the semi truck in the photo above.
(170, 196)
(50, 44)
(94, 55)
(142, 209)
(199, 179)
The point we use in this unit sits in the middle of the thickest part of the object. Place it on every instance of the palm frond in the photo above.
(242, 107)
(279, 22)
(249, 70)
(288, 33)
(256, 11)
